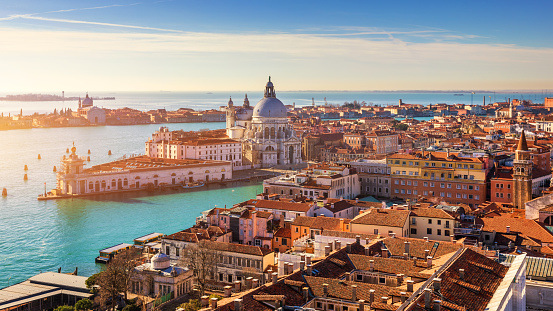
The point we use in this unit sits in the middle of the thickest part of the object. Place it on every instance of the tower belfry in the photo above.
(522, 174)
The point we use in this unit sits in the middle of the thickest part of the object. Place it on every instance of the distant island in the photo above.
(45, 98)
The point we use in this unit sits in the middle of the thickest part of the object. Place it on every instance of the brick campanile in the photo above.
(522, 174)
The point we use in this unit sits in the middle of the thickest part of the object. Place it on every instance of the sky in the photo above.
(179, 45)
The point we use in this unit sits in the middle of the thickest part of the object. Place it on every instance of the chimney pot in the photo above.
(400, 279)
(338, 244)
(228, 290)
(437, 284)
(429, 262)
(508, 229)
(305, 293)
(358, 239)
(309, 269)
(451, 238)
(403, 296)
(361, 305)
(325, 290)
(427, 298)
(405, 256)
(327, 250)
(410, 285)
(426, 239)
(348, 248)
(437, 305)
(354, 293)
(384, 299)
(238, 304)
(237, 286)
(205, 301)
(302, 265)
(384, 253)
(407, 248)
(371, 265)
(462, 274)
(214, 303)
(371, 296)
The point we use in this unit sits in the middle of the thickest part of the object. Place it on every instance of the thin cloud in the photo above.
(71, 21)
(91, 8)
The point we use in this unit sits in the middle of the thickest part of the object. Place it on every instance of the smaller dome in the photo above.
(87, 102)
(160, 261)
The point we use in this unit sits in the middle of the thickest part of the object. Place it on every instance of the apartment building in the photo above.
(374, 176)
(445, 175)
(433, 223)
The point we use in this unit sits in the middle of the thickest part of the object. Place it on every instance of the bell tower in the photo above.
(522, 174)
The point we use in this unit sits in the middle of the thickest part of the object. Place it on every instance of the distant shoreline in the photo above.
(45, 98)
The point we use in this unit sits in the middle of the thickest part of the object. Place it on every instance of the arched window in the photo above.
(223, 170)
(113, 183)
(156, 176)
(190, 173)
(272, 132)
(90, 185)
(173, 174)
(206, 171)
(266, 136)
(103, 183)
(125, 182)
(137, 177)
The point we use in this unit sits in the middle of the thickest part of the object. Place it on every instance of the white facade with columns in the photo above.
(267, 138)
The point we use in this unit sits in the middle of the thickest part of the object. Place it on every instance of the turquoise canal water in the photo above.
(40, 236)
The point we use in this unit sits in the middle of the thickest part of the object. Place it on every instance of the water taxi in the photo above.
(149, 238)
(193, 185)
(107, 253)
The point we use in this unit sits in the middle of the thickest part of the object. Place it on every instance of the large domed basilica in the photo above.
(267, 137)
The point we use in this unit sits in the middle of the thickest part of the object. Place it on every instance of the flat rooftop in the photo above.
(143, 163)
(115, 248)
(148, 236)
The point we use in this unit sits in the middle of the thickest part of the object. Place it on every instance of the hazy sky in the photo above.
(133, 45)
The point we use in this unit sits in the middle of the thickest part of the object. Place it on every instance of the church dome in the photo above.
(160, 261)
(87, 102)
(269, 106)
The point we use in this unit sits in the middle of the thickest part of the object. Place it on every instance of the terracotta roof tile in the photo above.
(383, 217)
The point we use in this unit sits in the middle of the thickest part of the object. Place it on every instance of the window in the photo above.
(413, 221)
(449, 186)
(447, 224)
(446, 233)
(177, 251)
(425, 184)
(167, 249)
(439, 231)
(381, 280)
(413, 231)
(359, 277)
(439, 221)
(375, 231)
(429, 221)
(428, 230)
(319, 305)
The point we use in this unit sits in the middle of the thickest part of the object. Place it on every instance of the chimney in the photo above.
(354, 293)
(330, 244)
(451, 238)
(325, 290)
(437, 284)
(415, 261)
(393, 235)
(309, 269)
(238, 304)
(425, 239)
(403, 296)
(338, 244)
(237, 286)
(508, 229)
(429, 262)
(427, 298)
(205, 301)
(302, 265)
(384, 300)
(327, 250)
(462, 274)
(437, 305)
(348, 248)
(249, 281)
(371, 296)
(291, 267)
(307, 260)
(371, 265)
(358, 239)
(305, 293)
(361, 305)
(407, 248)
(348, 276)
(255, 283)
(384, 253)
(228, 290)
(367, 241)
(214, 303)
(410, 285)
(426, 253)
(400, 279)
(274, 277)
(405, 256)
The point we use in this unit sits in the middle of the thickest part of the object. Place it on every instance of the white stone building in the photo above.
(267, 137)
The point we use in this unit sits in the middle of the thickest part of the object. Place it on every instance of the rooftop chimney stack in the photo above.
(309, 269)
(361, 305)
(237, 286)
(305, 293)
(426, 253)
(384, 300)
(348, 248)
(325, 290)
(437, 284)
(371, 296)
(354, 293)
(238, 304)
(410, 285)
(427, 298)
(228, 290)
(508, 229)
(437, 305)
(407, 248)
(371, 265)
(403, 296)
(327, 250)
(462, 274)
(338, 244)
(214, 303)
(429, 262)
(302, 265)
(358, 239)
(384, 253)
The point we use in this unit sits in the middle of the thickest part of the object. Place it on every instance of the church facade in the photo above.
(267, 138)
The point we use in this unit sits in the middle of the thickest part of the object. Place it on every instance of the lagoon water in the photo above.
(40, 236)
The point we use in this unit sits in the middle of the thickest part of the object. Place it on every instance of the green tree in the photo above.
(191, 305)
(84, 304)
(64, 308)
(131, 307)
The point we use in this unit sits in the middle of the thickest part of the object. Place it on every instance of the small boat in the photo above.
(193, 185)
(108, 253)
(459, 94)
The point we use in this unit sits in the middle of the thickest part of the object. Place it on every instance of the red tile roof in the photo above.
(383, 217)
